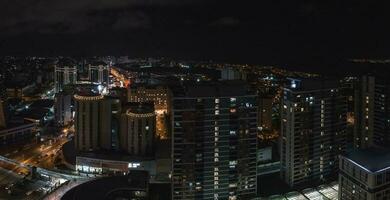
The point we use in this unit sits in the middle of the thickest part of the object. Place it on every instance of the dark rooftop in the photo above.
(42, 103)
(112, 155)
(110, 187)
(212, 89)
(372, 159)
(312, 84)
(97, 63)
(87, 90)
(34, 113)
(16, 123)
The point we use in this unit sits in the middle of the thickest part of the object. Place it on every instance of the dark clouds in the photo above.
(226, 21)
(74, 16)
(267, 31)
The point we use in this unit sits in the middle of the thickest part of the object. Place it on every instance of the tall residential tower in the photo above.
(214, 141)
(65, 72)
(313, 130)
(92, 122)
(372, 112)
(99, 73)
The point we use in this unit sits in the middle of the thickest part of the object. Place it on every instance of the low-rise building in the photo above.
(16, 132)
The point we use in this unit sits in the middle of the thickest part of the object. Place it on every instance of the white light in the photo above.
(134, 165)
(100, 88)
(293, 84)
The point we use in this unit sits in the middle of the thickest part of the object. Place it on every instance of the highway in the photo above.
(38, 154)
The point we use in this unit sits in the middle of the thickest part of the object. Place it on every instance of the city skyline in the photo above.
(194, 100)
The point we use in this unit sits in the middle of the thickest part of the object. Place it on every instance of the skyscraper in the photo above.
(138, 129)
(365, 174)
(65, 72)
(372, 112)
(99, 73)
(265, 112)
(161, 97)
(63, 108)
(313, 130)
(92, 122)
(214, 141)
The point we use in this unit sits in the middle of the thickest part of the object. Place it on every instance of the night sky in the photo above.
(245, 31)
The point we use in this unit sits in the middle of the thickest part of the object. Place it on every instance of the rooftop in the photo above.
(34, 113)
(322, 192)
(212, 89)
(42, 103)
(113, 156)
(15, 124)
(87, 91)
(114, 187)
(372, 159)
(311, 84)
(139, 108)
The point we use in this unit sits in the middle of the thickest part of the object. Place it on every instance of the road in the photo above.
(20, 187)
(36, 154)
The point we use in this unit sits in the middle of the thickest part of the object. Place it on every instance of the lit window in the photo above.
(134, 165)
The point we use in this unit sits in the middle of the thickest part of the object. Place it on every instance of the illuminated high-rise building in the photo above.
(313, 130)
(65, 72)
(214, 141)
(92, 122)
(99, 73)
(372, 112)
(138, 127)
(161, 97)
(63, 108)
(265, 112)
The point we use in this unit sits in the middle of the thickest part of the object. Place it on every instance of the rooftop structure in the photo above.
(313, 130)
(322, 192)
(372, 159)
(134, 186)
(365, 173)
